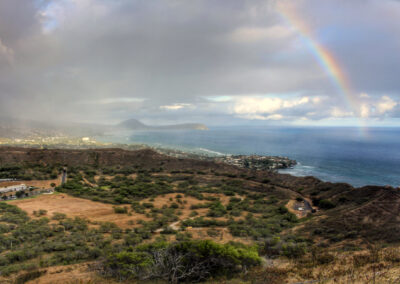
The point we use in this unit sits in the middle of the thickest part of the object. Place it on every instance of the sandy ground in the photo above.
(75, 273)
(101, 212)
(77, 207)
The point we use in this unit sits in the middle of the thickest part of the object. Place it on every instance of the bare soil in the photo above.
(77, 207)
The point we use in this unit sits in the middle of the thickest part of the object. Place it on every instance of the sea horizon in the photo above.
(334, 154)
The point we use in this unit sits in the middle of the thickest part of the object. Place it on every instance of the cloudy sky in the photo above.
(331, 62)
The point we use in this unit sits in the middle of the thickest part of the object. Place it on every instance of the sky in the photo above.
(269, 62)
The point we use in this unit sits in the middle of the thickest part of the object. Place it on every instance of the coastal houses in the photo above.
(21, 190)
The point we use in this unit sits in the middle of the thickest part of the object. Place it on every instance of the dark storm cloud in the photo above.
(97, 60)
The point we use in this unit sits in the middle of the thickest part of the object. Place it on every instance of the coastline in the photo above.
(279, 174)
(331, 155)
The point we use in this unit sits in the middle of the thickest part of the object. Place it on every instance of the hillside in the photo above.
(364, 210)
(121, 205)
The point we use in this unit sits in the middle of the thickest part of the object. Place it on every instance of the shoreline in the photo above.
(181, 155)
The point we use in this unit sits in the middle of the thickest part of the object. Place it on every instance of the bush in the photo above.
(120, 210)
(127, 265)
(294, 250)
(187, 261)
(23, 278)
(20, 194)
(174, 205)
(147, 205)
(39, 213)
(213, 232)
(168, 231)
(326, 204)
(216, 210)
(58, 216)
(282, 210)
(180, 237)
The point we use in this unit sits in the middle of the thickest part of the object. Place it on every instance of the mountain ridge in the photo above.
(134, 124)
(23, 128)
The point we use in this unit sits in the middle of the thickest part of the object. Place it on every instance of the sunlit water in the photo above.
(331, 154)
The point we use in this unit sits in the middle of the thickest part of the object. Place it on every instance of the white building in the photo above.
(13, 188)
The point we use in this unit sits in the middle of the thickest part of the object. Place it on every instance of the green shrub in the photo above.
(187, 261)
(213, 232)
(127, 265)
(168, 231)
(58, 216)
(326, 204)
(120, 210)
(147, 205)
(39, 213)
(28, 276)
(174, 205)
(216, 210)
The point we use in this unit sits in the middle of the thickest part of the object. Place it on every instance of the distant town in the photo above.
(51, 141)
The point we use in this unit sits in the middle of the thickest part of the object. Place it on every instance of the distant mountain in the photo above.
(134, 124)
(23, 128)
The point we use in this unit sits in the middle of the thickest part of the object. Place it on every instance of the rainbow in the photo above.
(325, 58)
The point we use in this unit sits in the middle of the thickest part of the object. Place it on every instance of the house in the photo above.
(10, 192)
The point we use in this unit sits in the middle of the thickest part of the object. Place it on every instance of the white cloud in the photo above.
(373, 107)
(262, 117)
(365, 110)
(262, 105)
(386, 104)
(6, 52)
(274, 117)
(251, 105)
(176, 106)
(293, 103)
(254, 34)
(219, 99)
(338, 112)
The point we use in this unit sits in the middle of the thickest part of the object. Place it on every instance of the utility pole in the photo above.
(64, 176)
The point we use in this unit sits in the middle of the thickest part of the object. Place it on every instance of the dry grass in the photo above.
(101, 212)
(77, 207)
(75, 273)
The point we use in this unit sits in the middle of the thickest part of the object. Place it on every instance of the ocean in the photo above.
(337, 154)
